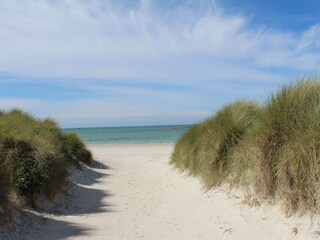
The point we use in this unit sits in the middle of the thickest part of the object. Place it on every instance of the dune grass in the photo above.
(288, 138)
(205, 150)
(273, 150)
(34, 157)
(75, 149)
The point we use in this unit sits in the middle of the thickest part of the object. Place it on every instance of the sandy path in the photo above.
(133, 193)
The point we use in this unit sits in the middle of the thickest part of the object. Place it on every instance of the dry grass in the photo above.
(206, 149)
(272, 152)
(288, 137)
(33, 157)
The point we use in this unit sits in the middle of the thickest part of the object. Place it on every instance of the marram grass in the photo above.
(34, 157)
(274, 150)
(205, 150)
(288, 137)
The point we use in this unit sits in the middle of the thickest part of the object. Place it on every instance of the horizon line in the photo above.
(128, 126)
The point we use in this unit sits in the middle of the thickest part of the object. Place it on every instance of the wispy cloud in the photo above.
(123, 48)
(95, 39)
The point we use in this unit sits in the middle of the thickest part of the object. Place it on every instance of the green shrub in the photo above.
(25, 172)
(30, 175)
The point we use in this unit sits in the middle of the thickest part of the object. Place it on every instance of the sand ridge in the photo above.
(131, 192)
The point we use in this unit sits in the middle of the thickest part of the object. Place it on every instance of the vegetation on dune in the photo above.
(273, 151)
(205, 150)
(76, 149)
(34, 157)
(288, 138)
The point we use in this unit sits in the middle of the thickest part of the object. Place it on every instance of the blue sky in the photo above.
(117, 62)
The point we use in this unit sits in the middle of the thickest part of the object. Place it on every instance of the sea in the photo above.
(130, 135)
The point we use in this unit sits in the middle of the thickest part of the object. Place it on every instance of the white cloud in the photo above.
(310, 38)
(217, 57)
(95, 39)
(21, 103)
(92, 112)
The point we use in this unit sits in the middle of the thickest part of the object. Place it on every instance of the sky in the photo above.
(95, 63)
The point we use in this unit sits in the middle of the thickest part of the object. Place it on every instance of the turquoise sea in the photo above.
(130, 135)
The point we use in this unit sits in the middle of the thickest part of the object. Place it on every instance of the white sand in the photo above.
(133, 193)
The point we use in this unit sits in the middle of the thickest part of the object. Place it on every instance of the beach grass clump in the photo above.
(30, 151)
(33, 157)
(288, 138)
(186, 151)
(76, 149)
(274, 151)
(206, 149)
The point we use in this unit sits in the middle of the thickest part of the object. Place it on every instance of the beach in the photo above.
(150, 119)
(131, 192)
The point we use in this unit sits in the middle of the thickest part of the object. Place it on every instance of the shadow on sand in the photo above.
(98, 165)
(83, 198)
(93, 174)
(46, 228)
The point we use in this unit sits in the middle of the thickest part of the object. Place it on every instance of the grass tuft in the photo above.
(76, 149)
(34, 157)
(288, 137)
(273, 151)
(205, 150)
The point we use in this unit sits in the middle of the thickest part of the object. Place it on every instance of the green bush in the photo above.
(29, 175)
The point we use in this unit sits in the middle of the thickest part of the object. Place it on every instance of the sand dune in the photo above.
(131, 192)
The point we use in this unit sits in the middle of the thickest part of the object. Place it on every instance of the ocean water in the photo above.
(130, 135)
